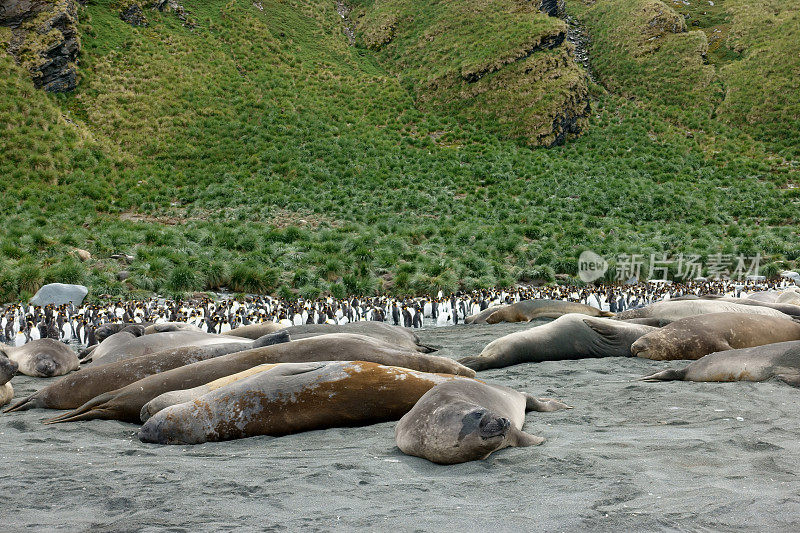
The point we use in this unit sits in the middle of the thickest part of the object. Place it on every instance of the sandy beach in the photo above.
(630, 455)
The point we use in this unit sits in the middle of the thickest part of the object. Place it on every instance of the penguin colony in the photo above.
(739, 332)
(21, 323)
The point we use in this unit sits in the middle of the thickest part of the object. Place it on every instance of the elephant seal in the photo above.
(527, 310)
(254, 331)
(7, 370)
(155, 342)
(790, 309)
(677, 309)
(397, 335)
(175, 397)
(291, 398)
(696, 336)
(171, 326)
(74, 390)
(480, 318)
(573, 336)
(106, 330)
(467, 420)
(780, 360)
(126, 403)
(42, 358)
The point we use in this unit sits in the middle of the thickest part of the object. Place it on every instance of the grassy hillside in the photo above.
(258, 151)
(735, 61)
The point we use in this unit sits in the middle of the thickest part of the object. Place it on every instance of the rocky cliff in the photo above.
(42, 37)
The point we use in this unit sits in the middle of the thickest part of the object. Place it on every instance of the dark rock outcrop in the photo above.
(554, 8)
(44, 40)
(133, 15)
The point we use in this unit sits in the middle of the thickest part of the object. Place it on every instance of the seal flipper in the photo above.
(789, 379)
(475, 362)
(22, 405)
(85, 411)
(670, 374)
(543, 405)
(521, 439)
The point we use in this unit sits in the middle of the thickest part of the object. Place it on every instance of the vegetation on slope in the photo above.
(258, 151)
(502, 63)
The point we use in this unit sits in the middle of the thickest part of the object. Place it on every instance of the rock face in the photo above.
(44, 40)
(59, 293)
(133, 15)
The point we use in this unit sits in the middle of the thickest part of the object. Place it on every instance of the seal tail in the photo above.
(425, 349)
(87, 411)
(606, 313)
(23, 405)
(91, 414)
(670, 374)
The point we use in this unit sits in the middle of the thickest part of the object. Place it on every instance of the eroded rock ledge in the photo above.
(44, 40)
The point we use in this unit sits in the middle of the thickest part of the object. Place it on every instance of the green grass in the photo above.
(258, 151)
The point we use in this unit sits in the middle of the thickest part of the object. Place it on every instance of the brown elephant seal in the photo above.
(696, 336)
(175, 397)
(571, 336)
(126, 403)
(291, 398)
(527, 310)
(74, 390)
(155, 342)
(677, 309)
(480, 318)
(171, 326)
(8, 369)
(467, 420)
(780, 360)
(397, 335)
(254, 331)
(42, 358)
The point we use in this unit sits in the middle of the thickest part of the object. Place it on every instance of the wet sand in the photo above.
(632, 455)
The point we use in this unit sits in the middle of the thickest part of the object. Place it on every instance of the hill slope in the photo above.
(256, 149)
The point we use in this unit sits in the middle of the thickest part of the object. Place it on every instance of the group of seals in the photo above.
(126, 403)
(290, 398)
(75, 389)
(43, 358)
(677, 308)
(467, 420)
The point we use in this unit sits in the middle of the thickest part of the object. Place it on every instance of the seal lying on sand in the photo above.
(790, 309)
(42, 358)
(480, 318)
(780, 360)
(572, 336)
(527, 310)
(126, 403)
(7, 370)
(155, 342)
(696, 336)
(465, 420)
(676, 309)
(396, 335)
(76, 389)
(291, 398)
